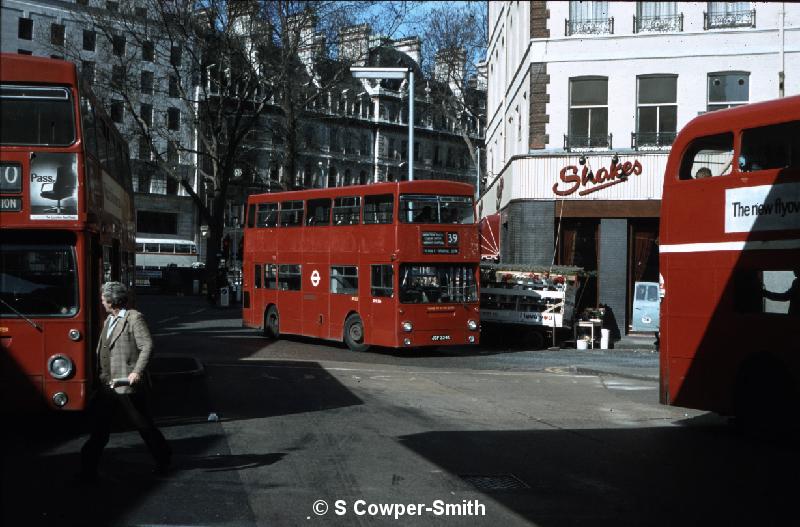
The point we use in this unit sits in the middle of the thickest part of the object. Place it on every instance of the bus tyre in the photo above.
(354, 333)
(535, 339)
(272, 323)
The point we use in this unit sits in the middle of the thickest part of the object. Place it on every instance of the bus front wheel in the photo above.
(272, 323)
(354, 333)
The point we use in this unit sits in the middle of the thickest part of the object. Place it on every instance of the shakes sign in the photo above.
(584, 181)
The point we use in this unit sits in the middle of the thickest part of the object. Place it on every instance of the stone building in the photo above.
(583, 87)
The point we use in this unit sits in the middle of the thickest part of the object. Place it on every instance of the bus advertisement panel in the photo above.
(730, 263)
(66, 225)
(388, 264)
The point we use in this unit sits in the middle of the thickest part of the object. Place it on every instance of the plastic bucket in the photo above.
(605, 335)
(582, 344)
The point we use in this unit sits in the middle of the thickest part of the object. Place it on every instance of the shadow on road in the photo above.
(697, 473)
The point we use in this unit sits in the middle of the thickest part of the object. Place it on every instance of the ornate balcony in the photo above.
(651, 140)
(599, 26)
(587, 142)
(729, 19)
(658, 24)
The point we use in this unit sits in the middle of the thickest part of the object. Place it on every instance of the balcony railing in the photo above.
(588, 142)
(651, 139)
(729, 19)
(658, 24)
(599, 26)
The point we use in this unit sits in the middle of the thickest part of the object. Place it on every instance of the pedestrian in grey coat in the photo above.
(123, 352)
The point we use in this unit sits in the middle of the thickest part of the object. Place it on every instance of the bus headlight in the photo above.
(407, 326)
(60, 366)
(74, 335)
(472, 325)
(60, 399)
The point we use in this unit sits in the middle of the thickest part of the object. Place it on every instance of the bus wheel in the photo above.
(354, 333)
(272, 323)
(535, 339)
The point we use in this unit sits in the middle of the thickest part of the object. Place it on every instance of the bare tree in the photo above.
(227, 70)
(455, 36)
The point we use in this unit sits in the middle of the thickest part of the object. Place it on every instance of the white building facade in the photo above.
(580, 88)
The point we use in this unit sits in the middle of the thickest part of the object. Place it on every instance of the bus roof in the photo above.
(422, 186)
(745, 116)
(26, 68)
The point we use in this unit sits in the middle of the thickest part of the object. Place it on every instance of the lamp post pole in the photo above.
(410, 124)
(360, 72)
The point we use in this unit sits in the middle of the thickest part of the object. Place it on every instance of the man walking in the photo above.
(123, 354)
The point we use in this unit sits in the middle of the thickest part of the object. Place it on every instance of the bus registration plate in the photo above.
(10, 204)
(440, 338)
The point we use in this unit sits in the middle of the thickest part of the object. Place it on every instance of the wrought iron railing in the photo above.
(599, 26)
(652, 139)
(729, 19)
(657, 24)
(572, 142)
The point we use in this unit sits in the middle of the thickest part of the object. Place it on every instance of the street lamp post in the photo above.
(360, 72)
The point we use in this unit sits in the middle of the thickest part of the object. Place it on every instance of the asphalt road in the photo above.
(514, 436)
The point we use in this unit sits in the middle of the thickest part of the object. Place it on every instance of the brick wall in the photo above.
(538, 118)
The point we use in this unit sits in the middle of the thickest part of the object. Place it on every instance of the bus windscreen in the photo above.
(437, 284)
(38, 280)
(36, 116)
(421, 208)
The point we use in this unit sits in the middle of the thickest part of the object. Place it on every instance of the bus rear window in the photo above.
(770, 147)
(708, 156)
(38, 280)
(36, 116)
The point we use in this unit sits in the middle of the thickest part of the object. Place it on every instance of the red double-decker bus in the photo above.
(66, 225)
(730, 263)
(388, 264)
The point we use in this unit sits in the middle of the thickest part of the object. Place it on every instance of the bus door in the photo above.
(315, 299)
(380, 323)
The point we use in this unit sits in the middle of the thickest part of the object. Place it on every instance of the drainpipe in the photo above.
(782, 71)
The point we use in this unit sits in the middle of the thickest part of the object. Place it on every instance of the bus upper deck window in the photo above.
(770, 147)
(708, 156)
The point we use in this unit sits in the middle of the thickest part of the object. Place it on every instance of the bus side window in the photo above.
(319, 212)
(378, 209)
(267, 215)
(257, 281)
(708, 156)
(770, 147)
(382, 281)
